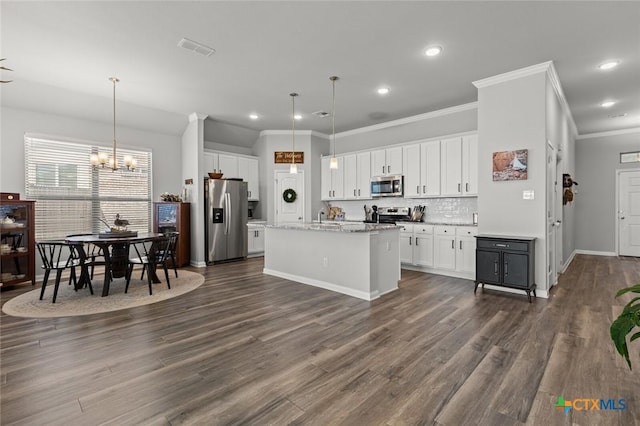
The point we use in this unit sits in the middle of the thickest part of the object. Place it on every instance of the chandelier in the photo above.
(101, 159)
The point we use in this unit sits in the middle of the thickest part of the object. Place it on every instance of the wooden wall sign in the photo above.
(284, 157)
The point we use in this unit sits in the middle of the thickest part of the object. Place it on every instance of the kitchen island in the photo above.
(358, 259)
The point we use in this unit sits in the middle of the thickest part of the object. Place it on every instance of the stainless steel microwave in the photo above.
(387, 186)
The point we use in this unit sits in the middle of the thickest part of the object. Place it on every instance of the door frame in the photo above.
(616, 214)
(276, 196)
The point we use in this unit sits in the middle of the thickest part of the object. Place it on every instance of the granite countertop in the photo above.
(336, 226)
(441, 223)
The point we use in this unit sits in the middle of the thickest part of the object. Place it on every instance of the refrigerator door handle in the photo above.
(228, 213)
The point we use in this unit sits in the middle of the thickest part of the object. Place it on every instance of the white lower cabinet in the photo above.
(416, 244)
(255, 239)
(439, 248)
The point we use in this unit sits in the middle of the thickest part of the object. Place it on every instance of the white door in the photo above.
(451, 166)
(378, 163)
(364, 174)
(289, 211)
(430, 169)
(350, 177)
(553, 224)
(470, 165)
(394, 160)
(412, 171)
(228, 165)
(629, 213)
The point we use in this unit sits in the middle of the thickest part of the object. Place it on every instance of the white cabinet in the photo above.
(421, 166)
(386, 161)
(466, 249)
(459, 163)
(470, 165)
(416, 244)
(255, 239)
(228, 165)
(451, 165)
(357, 176)
(454, 248)
(332, 181)
(210, 160)
(444, 248)
(249, 171)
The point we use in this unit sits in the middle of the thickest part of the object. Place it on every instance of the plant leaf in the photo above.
(635, 336)
(633, 289)
(619, 330)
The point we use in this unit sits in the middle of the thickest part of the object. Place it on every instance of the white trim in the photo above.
(596, 253)
(513, 75)
(411, 119)
(194, 116)
(568, 262)
(325, 285)
(617, 206)
(609, 133)
(555, 83)
(539, 293)
(288, 132)
(197, 264)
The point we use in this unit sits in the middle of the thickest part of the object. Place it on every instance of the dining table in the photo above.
(115, 249)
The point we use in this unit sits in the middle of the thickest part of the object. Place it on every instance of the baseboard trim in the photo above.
(325, 285)
(568, 262)
(596, 253)
(199, 264)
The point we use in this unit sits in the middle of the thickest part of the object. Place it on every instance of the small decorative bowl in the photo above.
(215, 175)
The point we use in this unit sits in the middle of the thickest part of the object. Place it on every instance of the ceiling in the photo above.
(62, 54)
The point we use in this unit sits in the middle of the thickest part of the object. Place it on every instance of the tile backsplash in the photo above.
(446, 210)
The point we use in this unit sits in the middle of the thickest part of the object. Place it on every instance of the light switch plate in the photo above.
(528, 194)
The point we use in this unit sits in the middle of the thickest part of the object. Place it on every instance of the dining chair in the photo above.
(149, 256)
(171, 247)
(58, 255)
(95, 255)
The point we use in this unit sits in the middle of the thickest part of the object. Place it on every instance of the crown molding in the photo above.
(194, 116)
(610, 133)
(557, 87)
(411, 119)
(298, 132)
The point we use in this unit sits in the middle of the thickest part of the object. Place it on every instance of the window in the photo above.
(74, 198)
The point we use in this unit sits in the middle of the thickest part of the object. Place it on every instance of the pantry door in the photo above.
(291, 209)
(629, 213)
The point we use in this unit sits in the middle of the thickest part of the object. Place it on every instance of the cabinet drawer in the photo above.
(444, 230)
(423, 229)
(466, 230)
(502, 245)
(405, 227)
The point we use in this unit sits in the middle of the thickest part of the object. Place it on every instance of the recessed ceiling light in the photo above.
(608, 65)
(297, 117)
(196, 47)
(383, 90)
(607, 104)
(433, 50)
(253, 116)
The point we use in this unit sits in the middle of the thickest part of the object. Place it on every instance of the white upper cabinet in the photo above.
(421, 165)
(228, 165)
(470, 165)
(210, 160)
(249, 171)
(357, 176)
(386, 161)
(332, 183)
(451, 164)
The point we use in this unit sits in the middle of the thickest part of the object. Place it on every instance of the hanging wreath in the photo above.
(289, 195)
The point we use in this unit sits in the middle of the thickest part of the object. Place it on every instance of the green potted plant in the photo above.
(626, 322)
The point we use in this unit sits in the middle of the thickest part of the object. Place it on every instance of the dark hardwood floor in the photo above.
(246, 348)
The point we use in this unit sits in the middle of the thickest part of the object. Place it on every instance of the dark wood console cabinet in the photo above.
(175, 217)
(506, 261)
(18, 242)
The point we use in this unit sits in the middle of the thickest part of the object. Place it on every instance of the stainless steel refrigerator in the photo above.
(226, 207)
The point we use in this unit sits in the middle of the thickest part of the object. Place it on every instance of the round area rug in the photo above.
(72, 303)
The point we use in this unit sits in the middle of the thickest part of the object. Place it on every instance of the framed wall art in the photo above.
(510, 165)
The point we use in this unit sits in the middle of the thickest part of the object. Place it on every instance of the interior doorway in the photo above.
(290, 206)
(553, 222)
(628, 212)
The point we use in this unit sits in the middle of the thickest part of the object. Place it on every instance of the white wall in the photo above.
(166, 151)
(597, 159)
(193, 168)
(511, 116)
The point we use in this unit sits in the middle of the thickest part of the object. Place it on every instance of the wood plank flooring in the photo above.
(246, 348)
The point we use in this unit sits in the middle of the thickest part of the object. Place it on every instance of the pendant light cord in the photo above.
(333, 113)
(293, 127)
(115, 161)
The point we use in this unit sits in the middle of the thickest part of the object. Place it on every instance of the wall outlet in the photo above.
(528, 194)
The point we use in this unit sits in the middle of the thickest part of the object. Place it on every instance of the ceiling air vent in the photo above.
(321, 114)
(196, 47)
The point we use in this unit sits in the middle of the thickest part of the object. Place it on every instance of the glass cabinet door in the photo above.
(17, 242)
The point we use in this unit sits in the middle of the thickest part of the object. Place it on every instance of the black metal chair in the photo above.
(150, 256)
(173, 240)
(57, 256)
(94, 255)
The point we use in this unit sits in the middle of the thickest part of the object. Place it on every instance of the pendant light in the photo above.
(293, 168)
(333, 162)
(101, 159)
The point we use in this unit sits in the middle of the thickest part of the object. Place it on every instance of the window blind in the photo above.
(74, 198)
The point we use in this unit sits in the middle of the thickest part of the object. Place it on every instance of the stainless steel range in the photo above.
(394, 214)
